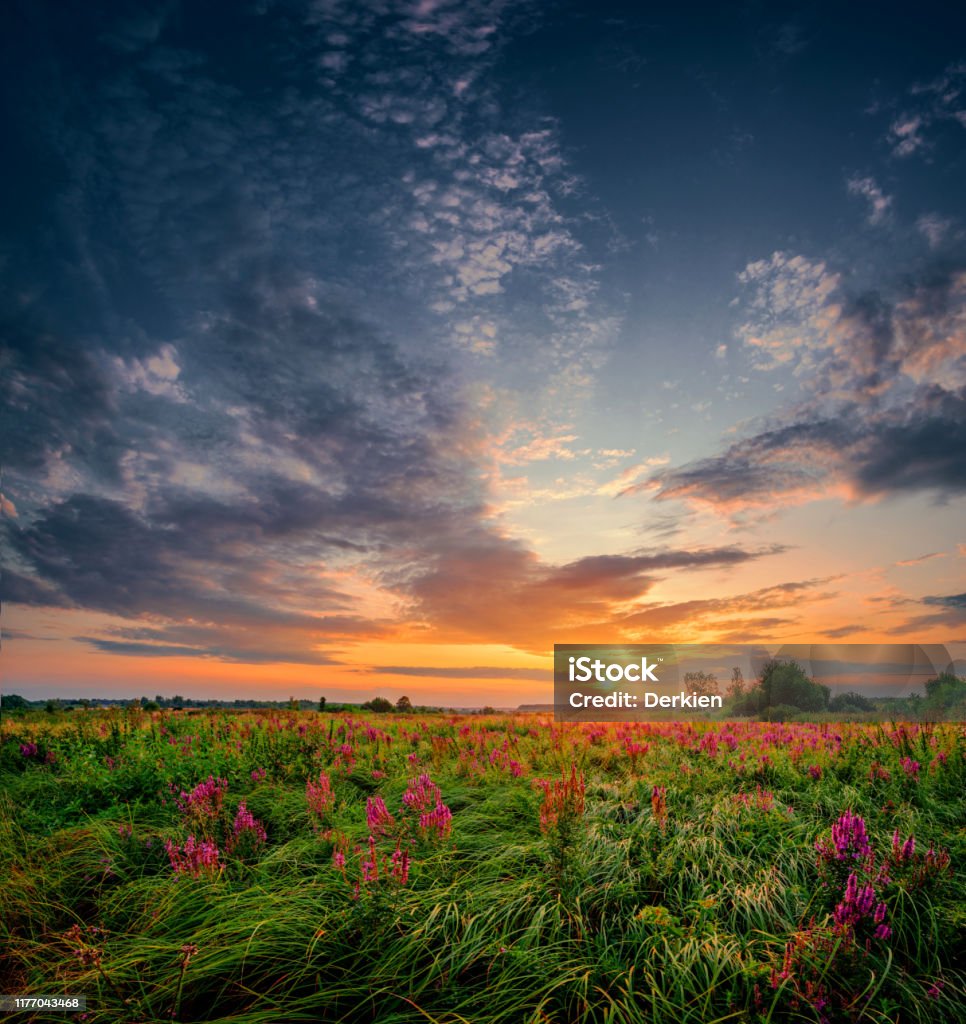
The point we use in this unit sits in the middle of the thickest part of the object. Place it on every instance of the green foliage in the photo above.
(700, 683)
(378, 704)
(662, 888)
(851, 701)
(946, 695)
(783, 691)
(785, 682)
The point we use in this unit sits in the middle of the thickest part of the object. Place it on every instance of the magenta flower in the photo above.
(246, 830)
(424, 797)
(193, 858)
(849, 840)
(319, 795)
(910, 767)
(378, 818)
(204, 802)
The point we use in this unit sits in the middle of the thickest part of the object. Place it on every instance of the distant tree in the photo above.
(177, 702)
(404, 705)
(785, 682)
(151, 705)
(321, 703)
(378, 704)
(780, 713)
(736, 689)
(50, 707)
(13, 702)
(701, 683)
(851, 701)
(944, 693)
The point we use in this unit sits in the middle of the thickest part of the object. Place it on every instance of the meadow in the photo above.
(264, 867)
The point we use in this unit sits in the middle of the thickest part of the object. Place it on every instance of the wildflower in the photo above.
(859, 904)
(437, 821)
(423, 796)
(849, 840)
(399, 865)
(203, 803)
(902, 852)
(910, 767)
(370, 866)
(194, 858)
(319, 795)
(378, 818)
(878, 773)
(247, 831)
(659, 804)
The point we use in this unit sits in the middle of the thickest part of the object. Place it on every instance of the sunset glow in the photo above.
(373, 349)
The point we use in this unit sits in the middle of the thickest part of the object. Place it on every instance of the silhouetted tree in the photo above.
(785, 682)
(378, 704)
(701, 683)
(736, 689)
(851, 701)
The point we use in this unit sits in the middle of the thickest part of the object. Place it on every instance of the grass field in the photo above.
(318, 867)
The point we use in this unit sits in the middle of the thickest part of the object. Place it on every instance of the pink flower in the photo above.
(378, 818)
(319, 796)
(193, 858)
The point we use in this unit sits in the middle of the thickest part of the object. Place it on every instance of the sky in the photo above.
(372, 348)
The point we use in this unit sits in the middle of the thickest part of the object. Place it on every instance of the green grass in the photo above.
(609, 914)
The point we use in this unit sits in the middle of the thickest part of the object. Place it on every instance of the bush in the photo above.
(785, 682)
(851, 701)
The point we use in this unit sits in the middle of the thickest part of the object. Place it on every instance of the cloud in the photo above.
(856, 454)
(475, 672)
(957, 601)
(929, 104)
(524, 602)
(843, 631)
(233, 408)
(792, 309)
(247, 655)
(935, 229)
(20, 589)
(736, 617)
(906, 134)
(951, 613)
(884, 394)
(880, 205)
(922, 558)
